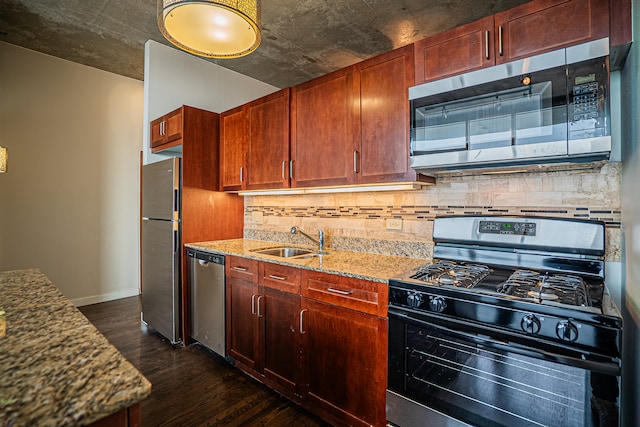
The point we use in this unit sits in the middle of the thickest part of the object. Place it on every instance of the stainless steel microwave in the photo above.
(549, 108)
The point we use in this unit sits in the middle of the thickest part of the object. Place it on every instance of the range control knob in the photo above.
(530, 324)
(567, 331)
(437, 304)
(414, 300)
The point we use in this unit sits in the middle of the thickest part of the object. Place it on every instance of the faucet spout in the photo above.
(319, 241)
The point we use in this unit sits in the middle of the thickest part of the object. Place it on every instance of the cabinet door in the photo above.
(233, 136)
(465, 48)
(157, 127)
(241, 310)
(242, 321)
(381, 84)
(173, 126)
(166, 131)
(280, 312)
(268, 154)
(345, 361)
(544, 25)
(323, 143)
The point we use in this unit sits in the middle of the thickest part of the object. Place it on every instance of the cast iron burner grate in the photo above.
(531, 285)
(452, 273)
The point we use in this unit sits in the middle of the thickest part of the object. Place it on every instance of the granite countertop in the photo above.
(361, 265)
(56, 368)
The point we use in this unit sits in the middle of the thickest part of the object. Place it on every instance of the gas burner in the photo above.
(565, 289)
(452, 274)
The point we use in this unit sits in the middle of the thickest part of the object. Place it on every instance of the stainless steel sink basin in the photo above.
(286, 252)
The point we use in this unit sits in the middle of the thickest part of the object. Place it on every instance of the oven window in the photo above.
(487, 387)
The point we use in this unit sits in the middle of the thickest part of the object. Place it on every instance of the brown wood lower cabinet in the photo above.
(320, 339)
(344, 357)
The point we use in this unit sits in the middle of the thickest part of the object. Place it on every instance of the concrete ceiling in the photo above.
(301, 39)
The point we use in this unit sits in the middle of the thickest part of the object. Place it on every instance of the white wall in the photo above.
(173, 78)
(69, 201)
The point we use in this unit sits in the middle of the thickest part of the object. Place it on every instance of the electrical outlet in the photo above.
(256, 217)
(394, 224)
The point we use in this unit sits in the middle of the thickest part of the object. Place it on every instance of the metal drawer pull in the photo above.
(301, 313)
(253, 304)
(271, 276)
(239, 268)
(283, 162)
(339, 291)
(500, 39)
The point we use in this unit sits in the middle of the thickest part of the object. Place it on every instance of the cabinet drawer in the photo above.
(242, 268)
(280, 277)
(361, 295)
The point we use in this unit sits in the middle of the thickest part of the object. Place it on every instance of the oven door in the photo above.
(446, 375)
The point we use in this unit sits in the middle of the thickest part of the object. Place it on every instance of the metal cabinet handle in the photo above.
(500, 39)
(355, 161)
(258, 304)
(271, 276)
(486, 44)
(283, 162)
(302, 331)
(239, 268)
(253, 305)
(339, 291)
(241, 170)
(290, 169)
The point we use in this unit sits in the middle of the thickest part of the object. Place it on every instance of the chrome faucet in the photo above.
(319, 242)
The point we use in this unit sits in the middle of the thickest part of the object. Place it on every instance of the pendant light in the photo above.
(4, 157)
(213, 29)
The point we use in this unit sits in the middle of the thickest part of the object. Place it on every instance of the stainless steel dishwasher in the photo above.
(206, 281)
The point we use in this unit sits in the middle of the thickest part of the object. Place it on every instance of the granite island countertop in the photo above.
(56, 368)
(361, 265)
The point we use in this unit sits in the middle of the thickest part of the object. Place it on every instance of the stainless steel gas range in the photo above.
(510, 325)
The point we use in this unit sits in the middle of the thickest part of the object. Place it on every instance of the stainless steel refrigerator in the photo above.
(160, 258)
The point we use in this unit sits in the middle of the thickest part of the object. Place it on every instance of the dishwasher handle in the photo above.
(204, 258)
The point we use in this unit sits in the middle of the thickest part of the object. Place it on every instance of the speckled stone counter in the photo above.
(56, 368)
(361, 265)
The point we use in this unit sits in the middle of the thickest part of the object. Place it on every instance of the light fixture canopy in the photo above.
(4, 157)
(213, 29)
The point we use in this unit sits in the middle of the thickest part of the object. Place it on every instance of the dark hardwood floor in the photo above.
(191, 386)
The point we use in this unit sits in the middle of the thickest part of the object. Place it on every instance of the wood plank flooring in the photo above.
(191, 386)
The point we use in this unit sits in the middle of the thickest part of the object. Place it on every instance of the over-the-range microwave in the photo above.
(549, 108)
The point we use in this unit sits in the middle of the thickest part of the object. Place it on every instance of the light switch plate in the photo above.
(394, 224)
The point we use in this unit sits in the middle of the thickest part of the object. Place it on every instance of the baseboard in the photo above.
(79, 302)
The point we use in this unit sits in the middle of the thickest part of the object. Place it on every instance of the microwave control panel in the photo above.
(585, 101)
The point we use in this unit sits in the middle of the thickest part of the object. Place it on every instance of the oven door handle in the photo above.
(609, 368)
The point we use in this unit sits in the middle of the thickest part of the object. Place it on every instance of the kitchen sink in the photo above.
(286, 252)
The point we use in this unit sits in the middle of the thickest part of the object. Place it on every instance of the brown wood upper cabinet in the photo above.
(166, 131)
(545, 25)
(351, 126)
(323, 139)
(530, 29)
(381, 86)
(255, 144)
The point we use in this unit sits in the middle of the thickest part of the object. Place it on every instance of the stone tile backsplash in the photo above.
(358, 221)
